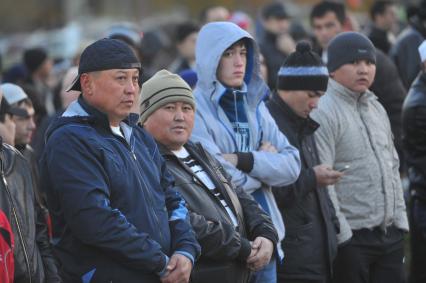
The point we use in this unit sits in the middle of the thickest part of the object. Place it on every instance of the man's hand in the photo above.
(267, 146)
(326, 176)
(261, 253)
(178, 270)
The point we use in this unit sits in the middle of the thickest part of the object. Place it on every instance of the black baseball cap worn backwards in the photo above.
(105, 54)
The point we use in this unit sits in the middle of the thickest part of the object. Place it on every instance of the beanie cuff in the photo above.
(169, 95)
(316, 83)
(338, 62)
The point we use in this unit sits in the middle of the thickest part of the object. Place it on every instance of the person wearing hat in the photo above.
(233, 124)
(414, 140)
(355, 132)
(276, 25)
(24, 121)
(39, 67)
(116, 216)
(24, 223)
(305, 205)
(226, 220)
(404, 52)
(186, 36)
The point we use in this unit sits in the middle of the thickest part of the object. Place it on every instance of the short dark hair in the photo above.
(379, 8)
(322, 8)
(183, 30)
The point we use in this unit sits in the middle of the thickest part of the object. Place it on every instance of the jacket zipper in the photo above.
(18, 225)
(131, 151)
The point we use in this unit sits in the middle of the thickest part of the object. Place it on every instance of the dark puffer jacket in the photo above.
(414, 135)
(32, 254)
(310, 244)
(224, 249)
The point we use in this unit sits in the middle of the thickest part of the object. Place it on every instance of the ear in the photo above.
(86, 84)
(331, 75)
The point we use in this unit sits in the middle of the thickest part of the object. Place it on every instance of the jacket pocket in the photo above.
(298, 235)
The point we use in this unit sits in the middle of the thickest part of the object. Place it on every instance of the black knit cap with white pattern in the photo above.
(303, 70)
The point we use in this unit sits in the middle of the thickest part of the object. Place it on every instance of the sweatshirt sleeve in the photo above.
(275, 169)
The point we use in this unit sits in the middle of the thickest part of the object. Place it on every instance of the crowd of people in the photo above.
(260, 154)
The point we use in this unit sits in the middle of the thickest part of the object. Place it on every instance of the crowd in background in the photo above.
(34, 96)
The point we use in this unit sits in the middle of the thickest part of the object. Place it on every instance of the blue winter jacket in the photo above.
(116, 217)
(214, 131)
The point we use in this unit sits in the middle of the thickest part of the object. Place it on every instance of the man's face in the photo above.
(171, 124)
(113, 92)
(187, 46)
(45, 69)
(217, 14)
(325, 28)
(302, 102)
(25, 126)
(389, 18)
(7, 128)
(232, 66)
(277, 25)
(356, 76)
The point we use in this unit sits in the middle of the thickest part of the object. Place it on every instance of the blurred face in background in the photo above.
(325, 28)
(25, 126)
(388, 20)
(187, 46)
(277, 25)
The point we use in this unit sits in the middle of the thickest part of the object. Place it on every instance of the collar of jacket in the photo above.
(351, 97)
(225, 91)
(7, 158)
(416, 23)
(100, 118)
(270, 36)
(304, 126)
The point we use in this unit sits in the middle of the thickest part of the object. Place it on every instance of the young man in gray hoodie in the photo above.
(233, 124)
(355, 132)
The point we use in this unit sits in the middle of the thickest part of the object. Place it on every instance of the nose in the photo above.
(238, 61)
(314, 103)
(179, 116)
(362, 67)
(31, 124)
(131, 87)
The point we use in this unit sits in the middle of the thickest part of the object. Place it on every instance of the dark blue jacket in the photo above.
(116, 217)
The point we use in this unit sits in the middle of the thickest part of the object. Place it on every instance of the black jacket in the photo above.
(274, 57)
(224, 249)
(390, 91)
(414, 135)
(405, 54)
(310, 244)
(32, 254)
(379, 38)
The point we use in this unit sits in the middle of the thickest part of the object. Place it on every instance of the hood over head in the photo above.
(213, 39)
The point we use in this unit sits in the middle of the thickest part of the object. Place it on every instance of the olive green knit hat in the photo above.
(164, 87)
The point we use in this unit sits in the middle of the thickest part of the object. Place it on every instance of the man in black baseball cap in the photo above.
(115, 213)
